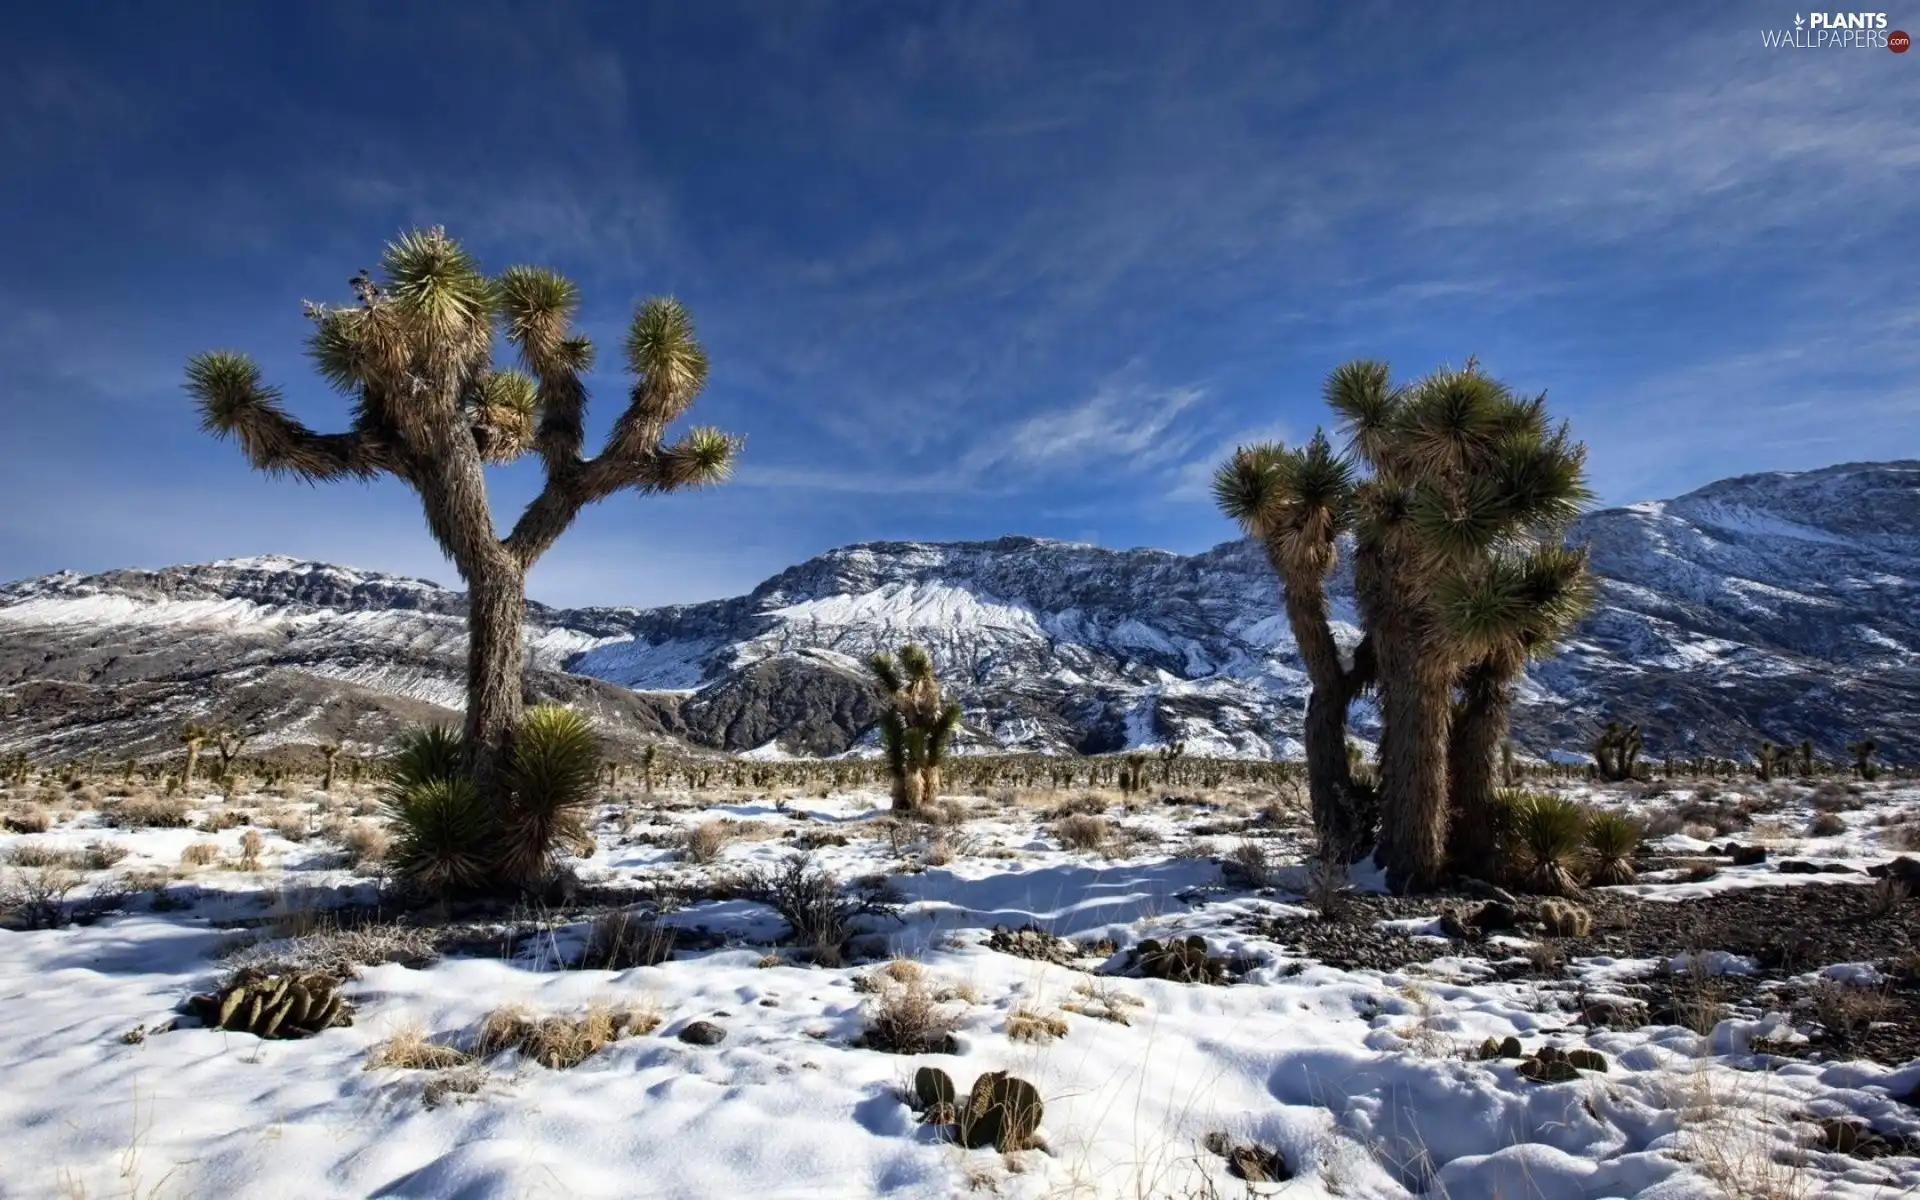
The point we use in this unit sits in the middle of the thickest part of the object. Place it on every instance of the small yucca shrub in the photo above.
(441, 832)
(1612, 840)
(552, 782)
(1549, 834)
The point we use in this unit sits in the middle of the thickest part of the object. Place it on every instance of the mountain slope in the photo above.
(1774, 606)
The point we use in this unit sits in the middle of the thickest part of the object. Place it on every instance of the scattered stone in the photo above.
(703, 1033)
(1030, 941)
(1495, 915)
(1182, 962)
(1451, 926)
(1255, 1164)
(1001, 1111)
(1747, 856)
(1551, 1064)
(1587, 1060)
(1614, 1013)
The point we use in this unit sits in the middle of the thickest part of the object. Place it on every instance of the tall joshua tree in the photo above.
(429, 407)
(916, 727)
(1297, 503)
(1459, 578)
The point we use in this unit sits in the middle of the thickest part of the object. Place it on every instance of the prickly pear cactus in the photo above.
(274, 1006)
(1002, 1112)
(934, 1095)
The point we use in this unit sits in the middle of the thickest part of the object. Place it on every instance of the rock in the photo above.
(1903, 869)
(1796, 866)
(1032, 942)
(1481, 890)
(1547, 1071)
(1612, 1013)
(1255, 1164)
(703, 1033)
(1452, 926)
(1748, 856)
(1495, 915)
(1510, 1047)
(1001, 1111)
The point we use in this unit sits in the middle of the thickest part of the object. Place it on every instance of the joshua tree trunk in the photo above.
(496, 655)
(326, 784)
(1479, 724)
(1415, 712)
(193, 759)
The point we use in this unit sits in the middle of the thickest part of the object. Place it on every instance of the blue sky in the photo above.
(963, 269)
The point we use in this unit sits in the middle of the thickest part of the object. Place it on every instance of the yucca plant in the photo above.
(1549, 838)
(916, 728)
(415, 356)
(443, 827)
(1612, 840)
(550, 787)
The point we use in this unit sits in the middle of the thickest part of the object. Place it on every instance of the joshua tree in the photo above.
(1460, 577)
(1806, 757)
(1766, 761)
(1863, 752)
(229, 743)
(647, 759)
(331, 753)
(193, 735)
(430, 408)
(1170, 754)
(1615, 751)
(916, 726)
(1297, 503)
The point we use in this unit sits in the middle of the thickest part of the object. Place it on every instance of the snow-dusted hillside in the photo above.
(1774, 606)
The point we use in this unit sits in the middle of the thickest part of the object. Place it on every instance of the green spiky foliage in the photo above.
(1549, 840)
(1297, 503)
(429, 406)
(1461, 578)
(551, 792)
(1613, 839)
(916, 728)
(1863, 752)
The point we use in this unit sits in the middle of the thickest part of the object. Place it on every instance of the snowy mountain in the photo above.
(1778, 606)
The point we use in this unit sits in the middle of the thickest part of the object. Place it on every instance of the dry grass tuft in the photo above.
(200, 854)
(908, 1018)
(626, 938)
(561, 1042)
(410, 1049)
(1826, 824)
(365, 843)
(247, 858)
(26, 818)
(704, 842)
(1031, 1025)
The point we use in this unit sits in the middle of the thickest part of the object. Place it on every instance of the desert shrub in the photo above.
(1904, 835)
(219, 819)
(703, 843)
(36, 854)
(1252, 863)
(1665, 823)
(1090, 804)
(103, 856)
(29, 818)
(1832, 796)
(364, 843)
(410, 1049)
(908, 1018)
(147, 811)
(200, 854)
(323, 948)
(1612, 840)
(247, 857)
(627, 938)
(36, 897)
(1083, 832)
(818, 912)
(1826, 824)
(939, 851)
(290, 823)
(1847, 1010)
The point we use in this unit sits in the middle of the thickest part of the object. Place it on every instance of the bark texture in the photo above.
(1479, 725)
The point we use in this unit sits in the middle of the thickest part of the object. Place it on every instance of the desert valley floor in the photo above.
(1744, 1016)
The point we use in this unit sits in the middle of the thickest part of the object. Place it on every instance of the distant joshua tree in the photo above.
(331, 752)
(430, 408)
(193, 735)
(916, 727)
(1863, 752)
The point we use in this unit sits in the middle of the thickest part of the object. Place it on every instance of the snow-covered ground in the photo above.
(1364, 1082)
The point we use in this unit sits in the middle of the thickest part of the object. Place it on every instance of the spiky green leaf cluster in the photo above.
(551, 784)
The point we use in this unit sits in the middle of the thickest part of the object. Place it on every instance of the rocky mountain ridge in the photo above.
(1782, 606)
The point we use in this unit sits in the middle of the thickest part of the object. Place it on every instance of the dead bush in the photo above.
(703, 842)
(36, 897)
(1252, 863)
(103, 856)
(365, 844)
(1083, 832)
(819, 913)
(561, 1043)
(627, 938)
(143, 810)
(38, 854)
(907, 1018)
(1826, 824)
(1032, 1025)
(200, 854)
(247, 856)
(1088, 805)
(29, 818)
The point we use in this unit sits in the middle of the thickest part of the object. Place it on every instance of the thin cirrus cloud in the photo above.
(963, 271)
